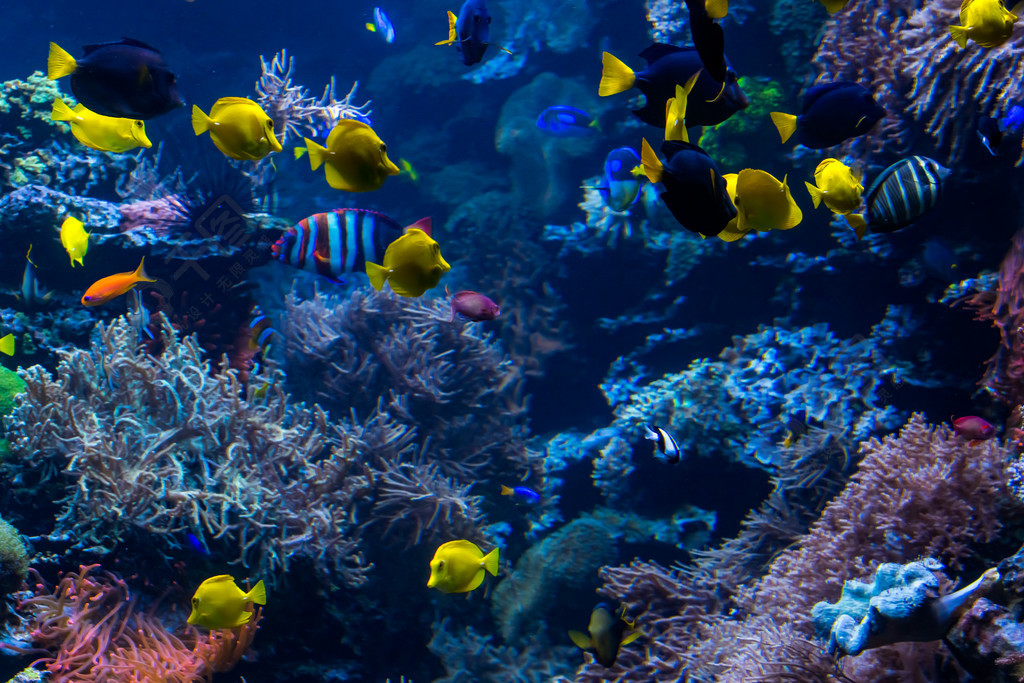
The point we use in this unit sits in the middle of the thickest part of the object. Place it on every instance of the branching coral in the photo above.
(92, 628)
(145, 448)
(470, 657)
(292, 109)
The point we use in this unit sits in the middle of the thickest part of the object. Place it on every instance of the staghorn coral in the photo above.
(142, 449)
(93, 631)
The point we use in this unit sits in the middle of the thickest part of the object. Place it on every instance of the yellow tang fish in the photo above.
(839, 187)
(239, 128)
(762, 202)
(105, 133)
(458, 567)
(74, 239)
(412, 265)
(675, 110)
(219, 603)
(986, 22)
(355, 159)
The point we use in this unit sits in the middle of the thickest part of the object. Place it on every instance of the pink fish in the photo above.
(474, 306)
(974, 428)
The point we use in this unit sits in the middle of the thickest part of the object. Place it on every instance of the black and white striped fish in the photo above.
(904, 192)
(665, 442)
(340, 241)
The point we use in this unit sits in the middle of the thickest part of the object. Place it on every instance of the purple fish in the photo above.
(474, 306)
(973, 427)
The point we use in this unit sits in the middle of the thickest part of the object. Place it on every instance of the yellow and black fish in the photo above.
(607, 633)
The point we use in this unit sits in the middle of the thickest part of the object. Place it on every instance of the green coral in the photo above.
(10, 386)
(729, 141)
(27, 675)
(13, 559)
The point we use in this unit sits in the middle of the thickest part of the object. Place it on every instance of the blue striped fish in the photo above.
(904, 192)
(340, 241)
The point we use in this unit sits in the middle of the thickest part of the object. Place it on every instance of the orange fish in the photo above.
(113, 286)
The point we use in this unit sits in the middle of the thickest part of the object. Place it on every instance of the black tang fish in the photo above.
(708, 104)
(126, 79)
(831, 113)
(340, 241)
(708, 39)
(607, 632)
(904, 192)
(470, 32)
(695, 191)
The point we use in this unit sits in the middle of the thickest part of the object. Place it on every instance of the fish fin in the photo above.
(61, 111)
(316, 153)
(425, 224)
(959, 34)
(1017, 10)
(452, 35)
(7, 344)
(716, 9)
(786, 123)
(582, 640)
(243, 619)
(200, 121)
(60, 63)
(652, 165)
(140, 273)
(834, 6)
(719, 95)
(491, 562)
(298, 152)
(616, 77)
(378, 274)
(505, 491)
(370, 27)
(503, 49)
(337, 180)
(258, 594)
(630, 638)
(857, 222)
(815, 193)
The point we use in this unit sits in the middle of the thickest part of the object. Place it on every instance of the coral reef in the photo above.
(729, 141)
(143, 450)
(13, 559)
(470, 657)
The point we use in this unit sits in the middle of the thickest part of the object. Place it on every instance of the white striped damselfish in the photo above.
(340, 241)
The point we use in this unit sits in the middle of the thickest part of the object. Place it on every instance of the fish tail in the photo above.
(491, 562)
(61, 111)
(299, 151)
(424, 224)
(858, 223)
(581, 639)
(316, 153)
(378, 275)
(140, 273)
(652, 166)
(815, 193)
(258, 594)
(452, 35)
(959, 34)
(505, 491)
(716, 9)
(786, 123)
(616, 77)
(200, 121)
(7, 344)
(59, 63)
(649, 433)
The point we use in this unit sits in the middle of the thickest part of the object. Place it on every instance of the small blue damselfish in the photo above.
(563, 121)
(521, 494)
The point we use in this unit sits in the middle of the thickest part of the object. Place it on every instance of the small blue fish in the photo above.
(197, 545)
(470, 32)
(383, 24)
(991, 131)
(563, 121)
(622, 185)
(521, 494)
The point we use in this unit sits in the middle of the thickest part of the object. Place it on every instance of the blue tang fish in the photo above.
(470, 32)
(695, 191)
(621, 187)
(521, 494)
(831, 113)
(709, 103)
(383, 24)
(341, 241)
(563, 121)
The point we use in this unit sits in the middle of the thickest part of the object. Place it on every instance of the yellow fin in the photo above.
(491, 562)
(652, 166)
(630, 638)
(140, 272)
(59, 63)
(258, 594)
(371, 27)
(378, 275)
(834, 6)
(786, 123)
(858, 223)
(452, 35)
(815, 193)
(61, 111)
(616, 77)
(298, 152)
(675, 110)
(716, 9)
(316, 153)
(200, 121)
(959, 34)
(506, 491)
(7, 344)
(581, 639)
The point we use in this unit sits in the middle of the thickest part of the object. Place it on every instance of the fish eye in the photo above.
(195, 602)
(383, 148)
(440, 565)
(270, 125)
